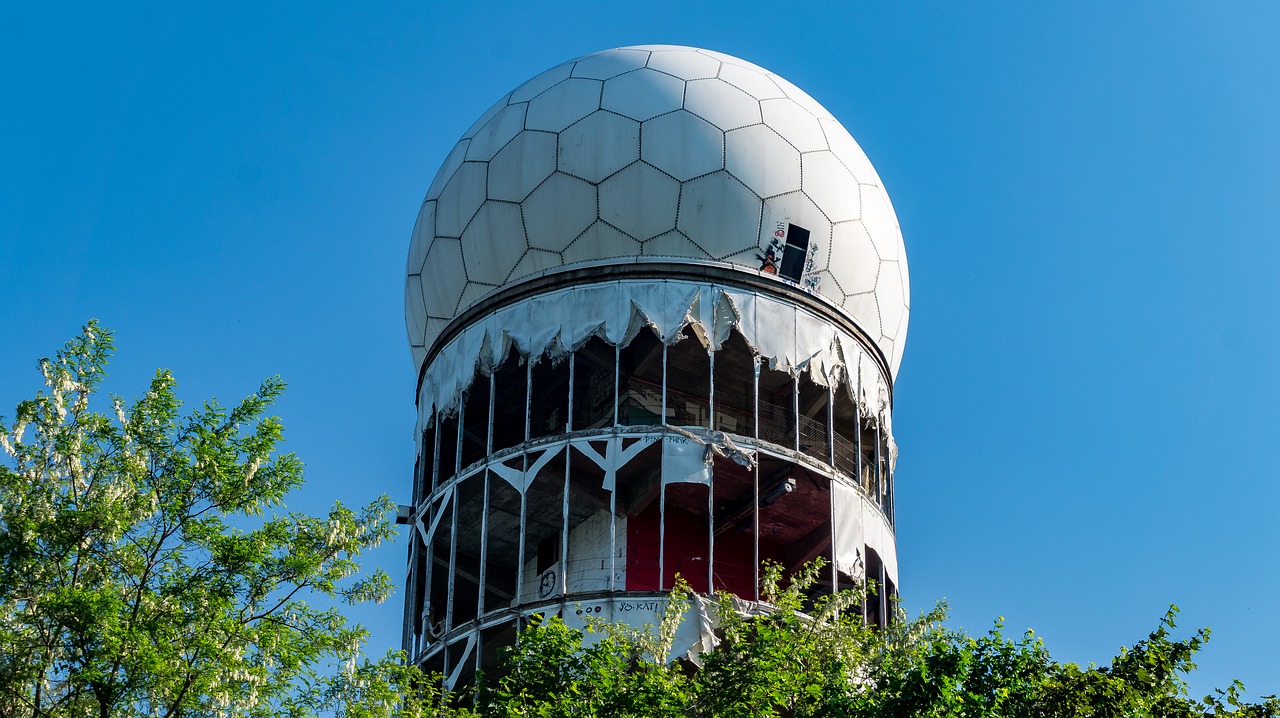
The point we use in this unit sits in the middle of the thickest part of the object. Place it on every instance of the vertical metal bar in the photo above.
(484, 546)
(524, 467)
(453, 552)
(795, 413)
(488, 437)
(617, 379)
(435, 456)
(662, 483)
(528, 397)
(564, 527)
(755, 508)
(711, 509)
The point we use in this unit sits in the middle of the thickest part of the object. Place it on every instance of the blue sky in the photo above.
(1087, 405)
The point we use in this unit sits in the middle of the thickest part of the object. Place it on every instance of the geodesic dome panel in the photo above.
(661, 151)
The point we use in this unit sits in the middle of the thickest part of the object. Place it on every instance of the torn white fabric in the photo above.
(787, 337)
(685, 460)
(848, 542)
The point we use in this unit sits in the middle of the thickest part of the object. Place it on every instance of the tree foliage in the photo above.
(145, 568)
(818, 659)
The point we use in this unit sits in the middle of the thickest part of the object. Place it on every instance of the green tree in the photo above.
(810, 659)
(144, 569)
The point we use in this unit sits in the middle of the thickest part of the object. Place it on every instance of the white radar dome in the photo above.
(662, 152)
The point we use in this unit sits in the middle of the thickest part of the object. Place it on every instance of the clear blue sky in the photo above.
(1087, 409)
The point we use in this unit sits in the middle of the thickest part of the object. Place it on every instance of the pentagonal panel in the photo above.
(640, 201)
(795, 208)
(474, 292)
(494, 109)
(643, 94)
(415, 311)
(424, 230)
(534, 261)
(684, 64)
(831, 187)
(599, 145)
(442, 278)
(854, 262)
(881, 223)
(801, 97)
(563, 104)
(719, 214)
(721, 104)
(682, 145)
(558, 210)
(845, 148)
(493, 242)
(604, 65)
(753, 82)
(600, 240)
(762, 160)
(795, 123)
(450, 165)
(541, 83)
(460, 199)
(673, 244)
(522, 165)
(497, 132)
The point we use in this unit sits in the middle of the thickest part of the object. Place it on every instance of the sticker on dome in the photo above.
(790, 256)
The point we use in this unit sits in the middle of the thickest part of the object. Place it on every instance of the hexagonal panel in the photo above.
(450, 165)
(753, 82)
(854, 262)
(748, 258)
(600, 240)
(719, 213)
(889, 296)
(682, 145)
(802, 97)
(497, 132)
(474, 292)
(610, 63)
(684, 64)
(534, 261)
(541, 82)
(460, 199)
(493, 242)
(522, 165)
(640, 201)
(424, 230)
(721, 104)
(798, 209)
(865, 312)
(564, 104)
(442, 283)
(831, 187)
(762, 160)
(846, 148)
(557, 212)
(673, 244)
(642, 94)
(483, 119)
(415, 311)
(794, 123)
(881, 223)
(906, 279)
(599, 145)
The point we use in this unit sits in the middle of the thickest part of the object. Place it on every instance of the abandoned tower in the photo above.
(656, 298)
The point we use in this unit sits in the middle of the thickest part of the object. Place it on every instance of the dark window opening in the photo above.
(795, 253)
(640, 381)
(593, 385)
(735, 386)
(549, 406)
(688, 381)
(510, 382)
(813, 423)
(448, 447)
(777, 406)
(475, 422)
(845, 415)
